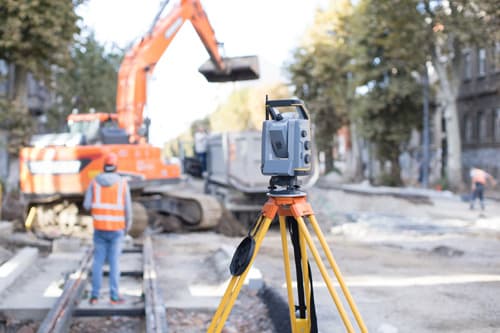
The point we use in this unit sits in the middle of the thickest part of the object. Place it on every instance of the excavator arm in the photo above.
(140, 61)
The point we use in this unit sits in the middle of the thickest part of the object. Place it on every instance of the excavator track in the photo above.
(196, 211)
(200, 210)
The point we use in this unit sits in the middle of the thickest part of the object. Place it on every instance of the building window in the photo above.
(468, 130)
(482, 129)
(467, 65)
(497, 125)
(481, 62)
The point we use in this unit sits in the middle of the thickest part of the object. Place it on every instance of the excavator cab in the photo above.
(236, 69)
(97, 128)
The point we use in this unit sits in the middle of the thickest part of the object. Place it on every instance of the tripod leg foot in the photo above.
(288, 274)
(337, 272)
(340, 308)
(236, 282)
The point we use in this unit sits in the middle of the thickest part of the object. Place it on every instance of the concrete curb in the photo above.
(16, 266)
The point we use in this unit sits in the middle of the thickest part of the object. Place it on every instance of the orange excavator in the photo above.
(56, 169)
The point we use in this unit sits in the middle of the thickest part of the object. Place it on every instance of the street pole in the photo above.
(425, 139)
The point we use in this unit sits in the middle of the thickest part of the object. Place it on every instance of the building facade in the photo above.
(479, 110)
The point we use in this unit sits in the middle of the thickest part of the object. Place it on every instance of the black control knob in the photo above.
(307, 145)
(307, 158)
(303, 133)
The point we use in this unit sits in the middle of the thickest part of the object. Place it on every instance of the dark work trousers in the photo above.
(478, 193)
(202, 157)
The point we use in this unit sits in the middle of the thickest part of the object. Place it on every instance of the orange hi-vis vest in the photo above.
(108, 206)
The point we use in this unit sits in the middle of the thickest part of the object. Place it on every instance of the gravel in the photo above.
(249, 315)
(107, 325)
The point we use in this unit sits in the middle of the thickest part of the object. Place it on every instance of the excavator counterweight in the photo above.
(237, 69)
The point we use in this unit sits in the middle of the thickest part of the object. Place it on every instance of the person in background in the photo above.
(200, 147)
(109, 202)
(479, 179)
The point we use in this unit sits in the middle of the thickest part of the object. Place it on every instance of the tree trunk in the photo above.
(20, 93)
(354, 165)
(395, 169)
(18, 118)
(454, 161)
(328, 157)
(448, 91)
(437, 166)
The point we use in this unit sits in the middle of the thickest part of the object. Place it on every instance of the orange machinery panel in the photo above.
(69, 170)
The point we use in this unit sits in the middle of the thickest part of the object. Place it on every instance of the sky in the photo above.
(177, 93)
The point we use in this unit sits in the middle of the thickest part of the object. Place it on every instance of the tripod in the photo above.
(292, 208)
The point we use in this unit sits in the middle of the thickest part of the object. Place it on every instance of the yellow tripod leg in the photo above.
(305, 324)
(337, 272)
(298, 325)
(236, 282)
(305, 233)
(288, 274)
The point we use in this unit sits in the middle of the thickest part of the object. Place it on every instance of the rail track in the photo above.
(72, 303)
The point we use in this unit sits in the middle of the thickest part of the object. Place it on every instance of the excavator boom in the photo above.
(140, 61)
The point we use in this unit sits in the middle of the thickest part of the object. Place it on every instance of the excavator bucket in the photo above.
(239, 69)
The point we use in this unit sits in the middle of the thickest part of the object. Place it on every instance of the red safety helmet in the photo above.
(110, 162)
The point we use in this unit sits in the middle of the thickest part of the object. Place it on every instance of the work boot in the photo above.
(116, 300)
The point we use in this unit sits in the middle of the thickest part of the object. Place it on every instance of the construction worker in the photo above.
(108, 200)
(479, 179)
(200, 147)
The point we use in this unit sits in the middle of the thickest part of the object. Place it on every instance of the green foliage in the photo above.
(244, 109)
(89, 82)
(35, 37)
(383, 46)
(36, 34)
(390, 106)
(323, 93)
(388, 179)
(361, 47)
(320, 73)
(461, 23)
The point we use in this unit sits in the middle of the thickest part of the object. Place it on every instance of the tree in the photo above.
(410, 35)
(456, 25)
(438, 31)
(319, 73)
(35, 36)
(388, 103)
(89, 82)
(244, 108)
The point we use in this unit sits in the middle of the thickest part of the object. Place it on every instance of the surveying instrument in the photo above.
(286, 154)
